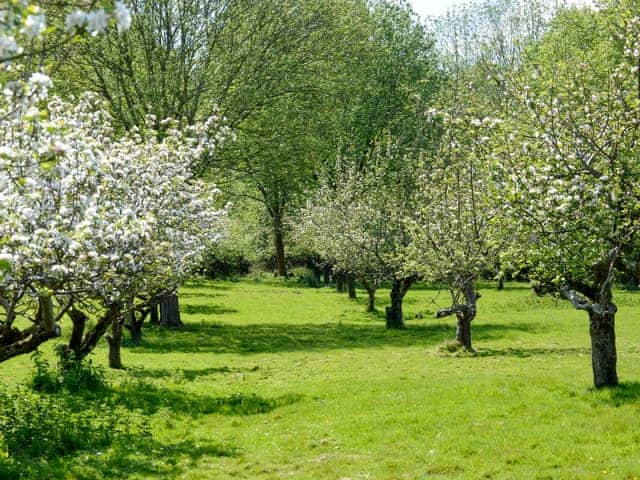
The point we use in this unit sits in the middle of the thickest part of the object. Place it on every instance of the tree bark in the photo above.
(465, 312)
(603, 348)
(115, 342)
(170, 311)
(278, 243)
(154, 318)
(79, 322)
(340, 283)
(371, 303)
(399, 288)
(326, 274)
(351, 286)
(16, 342)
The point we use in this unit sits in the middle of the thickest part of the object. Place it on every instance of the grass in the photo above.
(272, 381)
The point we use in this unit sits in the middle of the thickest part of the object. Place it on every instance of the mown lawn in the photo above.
(270, 381)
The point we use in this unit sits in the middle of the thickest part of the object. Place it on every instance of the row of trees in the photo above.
(532, 163)
(505, 139)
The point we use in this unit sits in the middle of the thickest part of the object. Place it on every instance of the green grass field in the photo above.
(272, 381)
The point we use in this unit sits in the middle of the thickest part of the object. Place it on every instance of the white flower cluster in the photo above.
(99, 218)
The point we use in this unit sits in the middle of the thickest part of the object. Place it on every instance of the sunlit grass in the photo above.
(273, 381)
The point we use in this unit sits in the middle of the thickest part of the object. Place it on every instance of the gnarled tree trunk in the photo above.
(399, 289)
(596, 300)
(14, 342)
(465, 312)
(170, 311)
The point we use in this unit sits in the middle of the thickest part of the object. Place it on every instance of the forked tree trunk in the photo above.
(170, 311)
(603, 349)
(351, 286)
(115, 341)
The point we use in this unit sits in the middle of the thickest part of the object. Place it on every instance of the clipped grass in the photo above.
(271, 381)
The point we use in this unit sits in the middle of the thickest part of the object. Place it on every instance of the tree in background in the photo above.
(362, 225)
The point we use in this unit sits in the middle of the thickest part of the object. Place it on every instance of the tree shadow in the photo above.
(271, 338)
(531, 352)
(146, 457)
(185, 373)
(206, 309)
(149, 399)
(626, 392)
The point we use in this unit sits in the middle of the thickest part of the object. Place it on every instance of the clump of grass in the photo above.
(455, 349)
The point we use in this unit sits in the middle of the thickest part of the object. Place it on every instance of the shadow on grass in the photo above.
(626, 392)
(186, 374)
(269, 338)
(206, 309)
(531, 352)
(147, 458)
(150, 399)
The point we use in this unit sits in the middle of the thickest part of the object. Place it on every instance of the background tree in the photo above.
(362, 225)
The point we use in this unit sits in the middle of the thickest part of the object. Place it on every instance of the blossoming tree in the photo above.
(358, 221)
(456, 227)
(573, 178)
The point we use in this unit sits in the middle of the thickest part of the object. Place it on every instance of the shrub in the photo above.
(46, 426)
(68, 375)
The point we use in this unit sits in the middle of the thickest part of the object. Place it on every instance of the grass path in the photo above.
(267, 381)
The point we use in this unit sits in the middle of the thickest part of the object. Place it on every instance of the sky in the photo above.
(433, 7)
(438, 7)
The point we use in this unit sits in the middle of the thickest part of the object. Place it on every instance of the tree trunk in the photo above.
(501, 282)
(399, 288)
(79, 322)
(603, 349)
(134, 325)
(170, 311)
(466, 314)
(115, 341)
(326, 273)
(154, 318)
(340, 287)
(371, 304)
(278, 243)
(351, 286)
(463, 331)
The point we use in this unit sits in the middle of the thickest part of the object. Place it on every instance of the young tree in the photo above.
(573, 180)
(456, 228)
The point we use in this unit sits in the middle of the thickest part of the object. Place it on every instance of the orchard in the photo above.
(189, 187)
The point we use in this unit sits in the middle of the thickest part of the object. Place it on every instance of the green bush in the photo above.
(68, 375)
(46, 426)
